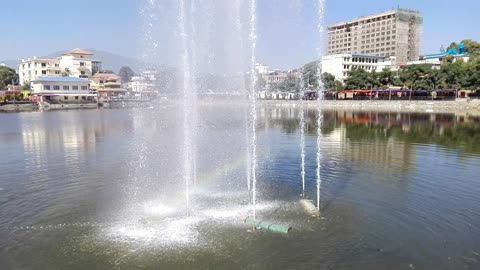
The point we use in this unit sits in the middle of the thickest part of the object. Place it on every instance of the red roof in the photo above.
(78, 51)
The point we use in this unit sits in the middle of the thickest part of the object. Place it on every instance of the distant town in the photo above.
(367, 58)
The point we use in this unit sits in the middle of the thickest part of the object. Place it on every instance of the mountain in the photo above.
(110, 61)
(11, 63)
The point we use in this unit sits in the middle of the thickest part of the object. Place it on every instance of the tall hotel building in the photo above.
(393, 33)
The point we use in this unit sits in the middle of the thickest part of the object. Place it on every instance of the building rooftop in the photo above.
(78, 51)
(441, 55)
(60, 79)
(357, 19)
(106, 76)
(373, 16)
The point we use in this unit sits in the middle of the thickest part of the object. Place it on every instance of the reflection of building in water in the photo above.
(348, 142)
(47, 138)
(389, 154)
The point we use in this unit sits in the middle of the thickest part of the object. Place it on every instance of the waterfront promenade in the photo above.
(459, 105)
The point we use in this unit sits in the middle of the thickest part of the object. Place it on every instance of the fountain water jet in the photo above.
(320, 28)
(302, 148)
(253, 100)
(189, 96)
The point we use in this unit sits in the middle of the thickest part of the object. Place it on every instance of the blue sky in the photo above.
(286, 28)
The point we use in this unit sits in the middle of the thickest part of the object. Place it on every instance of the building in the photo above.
(392, 33)
(75, 63)
(107, 85)
(340, 64)
(274, 78)
(437, 59)
(60, 85)
(261, 69)
(61, 91)
(144, 84)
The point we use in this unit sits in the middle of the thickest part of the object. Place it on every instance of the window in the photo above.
(83, 97)
(56, 87)
(46, 87)
(82, 64)
(82, 72)
(44, 72)
(44, 64)
(75, 87)
(76, 97)
(66, 87)
(65, 97)
(84, 88)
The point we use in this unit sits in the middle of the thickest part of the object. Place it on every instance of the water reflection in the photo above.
(459, 132)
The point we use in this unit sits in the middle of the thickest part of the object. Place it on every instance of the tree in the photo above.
(310, 74)
(66, 72)
(328, 81)
(471, 47)
(453, 45)
(357, 79)
(126, 73)
(260, 84)
(386, 78)
(291, 84)
(7, 75)
(471, 75)
(26, 86)
(452, 73)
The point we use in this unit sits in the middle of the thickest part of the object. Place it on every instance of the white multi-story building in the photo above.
(340, 64)
(75, 63)
(392, 33)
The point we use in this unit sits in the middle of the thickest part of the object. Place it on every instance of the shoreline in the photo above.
(462, 106)
(424, 106)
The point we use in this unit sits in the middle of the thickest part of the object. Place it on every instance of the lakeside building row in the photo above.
(73, 77)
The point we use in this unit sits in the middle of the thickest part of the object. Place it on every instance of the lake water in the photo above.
(102, 189)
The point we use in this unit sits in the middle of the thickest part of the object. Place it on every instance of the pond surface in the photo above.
(103, 189)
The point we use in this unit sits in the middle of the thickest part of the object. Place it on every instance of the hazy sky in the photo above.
(287, 35)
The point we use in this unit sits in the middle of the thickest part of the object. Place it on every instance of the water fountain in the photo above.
(197, 55)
